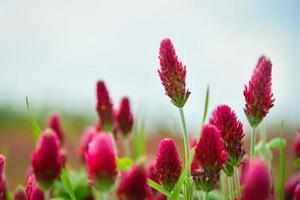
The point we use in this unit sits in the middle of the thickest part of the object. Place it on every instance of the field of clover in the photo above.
(217, 164)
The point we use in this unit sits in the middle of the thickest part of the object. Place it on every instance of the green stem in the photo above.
(185, 136)
(205, 195)
(230, 187)
(126, 147)
(186, 151)
(199, 194)
(47, 195)
(252, 145)
(237, 181)
(104, 196)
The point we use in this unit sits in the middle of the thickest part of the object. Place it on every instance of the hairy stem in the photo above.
(230, 187)
(252, 145)
(237, 181)
(205, 195)
(186, 151)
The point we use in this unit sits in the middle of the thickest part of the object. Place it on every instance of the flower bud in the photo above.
(104, 107)
(54, 123)
(133, 185)
(172, 74)
(101, 162)
(290, 186)
(124, 117)
(20, 194)
(168, 164)
(257, 182)
(3, 186)
(297, 144)
(33, 192)
(85, 139)
(46, 159)
(258, 94)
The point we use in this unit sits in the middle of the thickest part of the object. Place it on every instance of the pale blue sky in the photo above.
(54, 51)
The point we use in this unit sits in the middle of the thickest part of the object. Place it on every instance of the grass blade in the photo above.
(205, 105)
(35, 128)
(158, 187)
(67, 183)
(124, 164)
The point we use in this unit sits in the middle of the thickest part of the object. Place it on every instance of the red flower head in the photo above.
(101, 162)
(258, 94)
(33, 192)
(54, 123)
(172, 74)
(297, 193)
(231, 131)
(290, 186)
(19, 194)
(124, 116)
(3, 186)
(46, 159)
(85, 139)
(160, 196)
(297, 144)
(104, 107)
(257, 182)
(168, 164)
(211, 156)
(133, 185)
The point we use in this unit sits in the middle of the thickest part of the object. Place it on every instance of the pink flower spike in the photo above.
(133, 185)
(257, 182)
(232, 133)
(101, 162)
(54, 123)
(124, 116)
(172, 74)
(168, 164)
(20, 194)
(85, 139)
(46, 159)
(104, 107)
(210, 157)
(290, 186)
(258, 94)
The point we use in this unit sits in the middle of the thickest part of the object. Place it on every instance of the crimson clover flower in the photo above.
(209, 159)
(104, 107)
(101, 161)
(124, 116)
(231, 130)
(258, 94)
(168, 165)
(47, 159)
(133, 185)
(172, 74)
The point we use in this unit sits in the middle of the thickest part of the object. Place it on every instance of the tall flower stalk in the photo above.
(172, 75)
(258, 96)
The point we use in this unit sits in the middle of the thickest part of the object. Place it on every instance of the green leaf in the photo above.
(124, 164)
(35, 128)
(258, 147)
(282, 161)
(276, 143)
(297, 163)
(158, 187)
(139, 141)
(67, 183)
(182, 177)
(205, 105)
